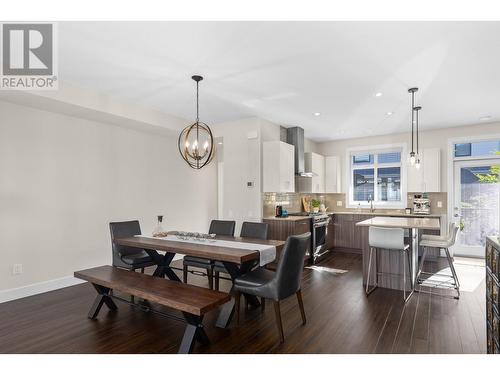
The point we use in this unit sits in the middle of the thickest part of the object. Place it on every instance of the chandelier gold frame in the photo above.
(194, 154)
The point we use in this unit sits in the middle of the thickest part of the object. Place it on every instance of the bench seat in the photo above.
(192, 301)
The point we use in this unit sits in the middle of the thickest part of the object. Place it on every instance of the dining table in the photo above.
(238, 254)
(390, 262)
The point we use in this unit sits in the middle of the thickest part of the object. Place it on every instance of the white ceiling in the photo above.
(286, 71)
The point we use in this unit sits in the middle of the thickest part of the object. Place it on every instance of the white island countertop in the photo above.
(401, 222)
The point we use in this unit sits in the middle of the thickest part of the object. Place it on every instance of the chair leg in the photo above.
(210, 275)
(245, 299)
(185, 274)
(277, 312)
(368, 290)
(421, 266)
(237, 297)
(217, 279)
(407, 259)
(453, 272)
(262, 304)
(301, 306)
(410, 268)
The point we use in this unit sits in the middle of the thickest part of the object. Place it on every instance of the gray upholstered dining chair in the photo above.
(277, 286)
(217, 227)
(248, 230)
(129, 258)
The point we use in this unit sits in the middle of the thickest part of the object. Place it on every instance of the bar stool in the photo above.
(392, 239)
(441, 243)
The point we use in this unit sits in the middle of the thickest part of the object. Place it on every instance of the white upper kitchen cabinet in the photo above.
(428, 177)
(278, 167)
(314, 163)
(333, 179)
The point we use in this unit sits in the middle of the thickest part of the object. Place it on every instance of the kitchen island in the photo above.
(391, 262)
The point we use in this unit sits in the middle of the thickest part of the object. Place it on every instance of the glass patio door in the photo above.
(477, 204)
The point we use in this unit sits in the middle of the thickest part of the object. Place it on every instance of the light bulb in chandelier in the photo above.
(417, 164)
(412, 158)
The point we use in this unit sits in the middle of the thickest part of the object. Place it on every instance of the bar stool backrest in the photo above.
(451, 230)
(387, 238)
(453, 235)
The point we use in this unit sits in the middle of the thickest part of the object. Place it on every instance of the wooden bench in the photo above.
(191, 300)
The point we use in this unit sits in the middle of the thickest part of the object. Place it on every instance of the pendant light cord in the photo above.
(417, 129)
(412, 117)
(197, 102)
(197, 121)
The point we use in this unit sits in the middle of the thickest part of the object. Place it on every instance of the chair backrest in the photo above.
(124, 229)
(453, 235)
(254, 230)
(222, 227)
(451, 230)
(290, 265)
(386, 238)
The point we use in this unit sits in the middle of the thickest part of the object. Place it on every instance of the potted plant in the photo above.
(315, 205)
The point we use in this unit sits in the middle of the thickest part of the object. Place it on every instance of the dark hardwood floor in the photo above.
(340, 319)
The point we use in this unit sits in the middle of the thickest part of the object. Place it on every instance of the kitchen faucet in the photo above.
(370, 200)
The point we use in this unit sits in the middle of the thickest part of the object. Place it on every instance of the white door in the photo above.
(477, 204)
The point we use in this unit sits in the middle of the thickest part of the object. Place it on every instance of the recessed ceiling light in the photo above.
(316, 114)
(389, 113)
(378, 94)
(484, 118)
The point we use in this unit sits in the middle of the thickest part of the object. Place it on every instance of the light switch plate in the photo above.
(339, 203)
(440, 204)
(17, 269)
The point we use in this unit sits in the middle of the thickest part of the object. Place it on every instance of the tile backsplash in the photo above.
(336, 202)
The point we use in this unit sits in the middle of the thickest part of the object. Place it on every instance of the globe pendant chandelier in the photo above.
(196, 142)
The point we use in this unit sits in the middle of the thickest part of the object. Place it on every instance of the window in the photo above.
(476, 149)
(376, 175)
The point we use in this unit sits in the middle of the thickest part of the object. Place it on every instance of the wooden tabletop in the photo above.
(201, 250)
(401, 222)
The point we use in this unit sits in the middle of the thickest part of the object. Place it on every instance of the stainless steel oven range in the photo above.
(319, 232)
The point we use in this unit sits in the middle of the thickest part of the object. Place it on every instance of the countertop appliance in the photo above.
(421, 205)
(319, 231)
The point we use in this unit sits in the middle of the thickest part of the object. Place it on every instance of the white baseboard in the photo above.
(31, 290)
(45, 286)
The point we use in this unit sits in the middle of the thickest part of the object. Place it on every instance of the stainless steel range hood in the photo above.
(295, 137)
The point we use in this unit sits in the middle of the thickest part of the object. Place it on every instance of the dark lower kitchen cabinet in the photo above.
(346, 235)
(280, 229)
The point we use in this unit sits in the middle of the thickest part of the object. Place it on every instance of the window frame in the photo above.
(375, 150)
(472, 140)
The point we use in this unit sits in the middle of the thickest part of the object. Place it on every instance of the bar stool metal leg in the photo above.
(453, 272)
(421, 266)
(406, 258)
(368, 290)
